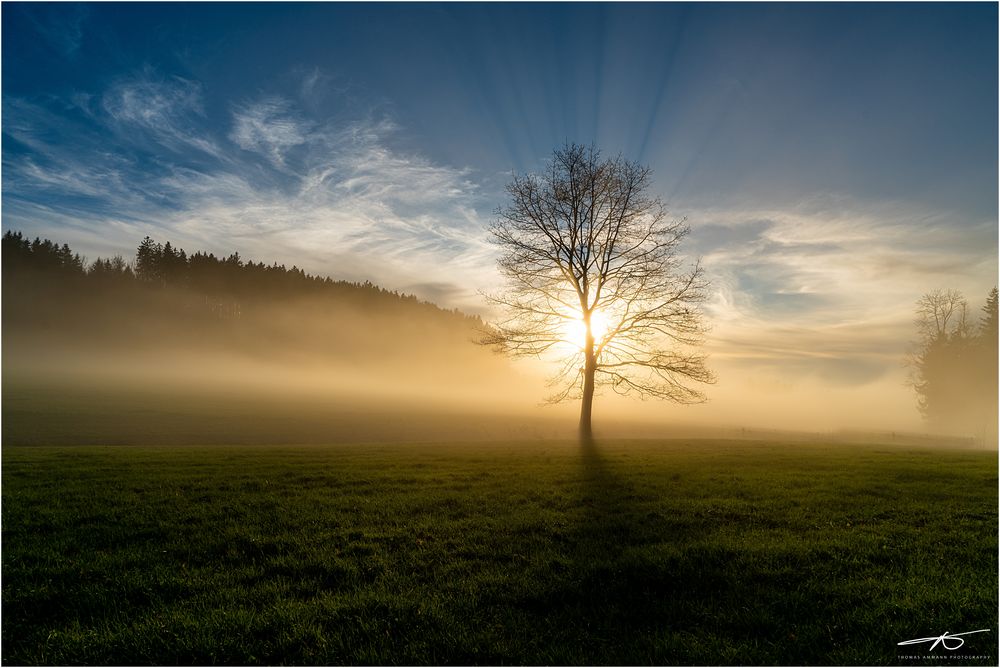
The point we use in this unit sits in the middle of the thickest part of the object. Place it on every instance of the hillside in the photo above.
(171, 347)
(163, 295)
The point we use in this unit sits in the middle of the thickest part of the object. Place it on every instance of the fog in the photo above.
(127, 362)
(302, 372)
(317, 368)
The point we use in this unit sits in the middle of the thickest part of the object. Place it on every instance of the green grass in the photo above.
(671, 552)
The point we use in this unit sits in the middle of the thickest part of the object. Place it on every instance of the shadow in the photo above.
(608, 523)
(620, 594)
(640, 590)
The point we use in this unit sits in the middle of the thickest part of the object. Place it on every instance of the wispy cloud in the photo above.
(826, 293)
(168, 111)
(812, 305)
(152, 104)
(337, 199)
(269, 127)
(817, 293)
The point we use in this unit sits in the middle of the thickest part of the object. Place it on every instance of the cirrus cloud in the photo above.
(336, 199)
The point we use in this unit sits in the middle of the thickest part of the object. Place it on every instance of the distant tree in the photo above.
(120, 267)
(16, 249)
(942, 327)
(987, 367)
(115, 269)
(954, 365)
(148, 261)
(168, 263)
(42, 256)
(40, 273)
(942, 314)
(99, 269)
(988, 325)
(69, 261)
(594, 276)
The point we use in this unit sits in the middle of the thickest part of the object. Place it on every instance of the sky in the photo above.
(834, 161)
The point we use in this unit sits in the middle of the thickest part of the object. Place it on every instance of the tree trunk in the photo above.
(590, 364)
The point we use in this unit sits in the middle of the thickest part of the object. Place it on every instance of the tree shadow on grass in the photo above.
(619, 595)
(609, 522)
(640, 590)
(618, 605)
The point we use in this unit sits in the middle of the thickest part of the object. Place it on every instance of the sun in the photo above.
(576, 330)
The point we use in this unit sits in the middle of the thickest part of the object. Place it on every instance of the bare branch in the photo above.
(585, 237)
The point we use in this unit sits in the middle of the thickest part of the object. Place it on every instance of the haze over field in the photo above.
(285, 288)
(832, 168)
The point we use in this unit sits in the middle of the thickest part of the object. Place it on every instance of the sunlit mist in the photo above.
(819, 217)
(576, 329)
(499, 333)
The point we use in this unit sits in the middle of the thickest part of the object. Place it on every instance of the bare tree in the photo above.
(942, 313)
(593, 277)
(953, 364)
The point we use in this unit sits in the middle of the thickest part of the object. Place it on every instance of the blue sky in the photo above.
(835, 161)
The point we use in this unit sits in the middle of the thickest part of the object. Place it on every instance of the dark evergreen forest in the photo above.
(172, 347)
(49, 290)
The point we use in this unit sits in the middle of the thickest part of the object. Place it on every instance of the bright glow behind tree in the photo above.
(584, 247)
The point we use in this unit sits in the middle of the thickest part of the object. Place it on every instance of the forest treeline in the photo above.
(954, 364)
(228, 283)
(164, 298)
(166, 346)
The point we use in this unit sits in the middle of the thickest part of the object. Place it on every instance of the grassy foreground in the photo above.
(676, 552)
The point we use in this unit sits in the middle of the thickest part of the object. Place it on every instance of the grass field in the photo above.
(671, 552)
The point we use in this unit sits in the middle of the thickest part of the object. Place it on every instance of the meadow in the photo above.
(629, 552)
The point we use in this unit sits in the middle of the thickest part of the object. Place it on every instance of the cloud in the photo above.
(268, 127)
(858, 257)
(168, 111)
(152, 103)
(317, 87)
(821, 292)
(826, 293)
(336, 198)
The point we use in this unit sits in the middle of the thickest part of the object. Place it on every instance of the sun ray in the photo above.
(576, 329)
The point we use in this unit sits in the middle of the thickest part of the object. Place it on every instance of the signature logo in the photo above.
(943, 640)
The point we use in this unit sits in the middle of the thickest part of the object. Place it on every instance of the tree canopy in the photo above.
(595, 278)
(954, 364)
